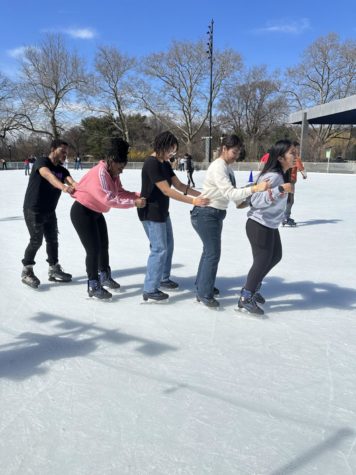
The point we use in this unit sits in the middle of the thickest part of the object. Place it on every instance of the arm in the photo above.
(226, 188)
(47, 175)
(187, 190)
(70, 182)
(167, 191)
(114, 195)
(264, 199)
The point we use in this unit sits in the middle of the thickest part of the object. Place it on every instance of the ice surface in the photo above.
(122, 387)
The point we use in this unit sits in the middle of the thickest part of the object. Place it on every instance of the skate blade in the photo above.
(35, 287)
(246, 313)
(96, 299)
(157, 302)
(207, 306)
(53, 279)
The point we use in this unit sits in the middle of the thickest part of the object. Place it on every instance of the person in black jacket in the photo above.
(189, 168)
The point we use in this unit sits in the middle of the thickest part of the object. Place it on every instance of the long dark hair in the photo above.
(278, 150)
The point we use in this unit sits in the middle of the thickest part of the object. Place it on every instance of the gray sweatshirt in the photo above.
(267, 207)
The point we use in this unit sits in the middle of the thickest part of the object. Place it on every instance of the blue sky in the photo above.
(263, 32)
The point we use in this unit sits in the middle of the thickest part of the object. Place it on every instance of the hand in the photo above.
(200, 201)
(68, 189)
(140, 202)
(288, 187)
(263, 186)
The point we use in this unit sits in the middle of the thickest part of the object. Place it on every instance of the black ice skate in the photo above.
(157, 296)
(248, 303)
(168, 284)
(28, 277)
(107, 281)
(97, 291)
(211, 303)
(289, 222)
(56, 274)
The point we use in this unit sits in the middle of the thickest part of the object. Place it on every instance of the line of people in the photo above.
(100, 189)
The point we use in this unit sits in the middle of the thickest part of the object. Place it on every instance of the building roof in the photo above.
(342, 111)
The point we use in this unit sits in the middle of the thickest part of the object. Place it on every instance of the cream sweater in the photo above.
(218, 186)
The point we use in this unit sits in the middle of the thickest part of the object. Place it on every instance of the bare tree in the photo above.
(8, 113)
(112, 85)
(178, 86)
(327, 72)
(253, 105)
(51, 77)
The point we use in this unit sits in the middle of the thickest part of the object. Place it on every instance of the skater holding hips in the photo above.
(220, 187)
(157, 179)
(264, 217)
(96, 193)
(47, 180)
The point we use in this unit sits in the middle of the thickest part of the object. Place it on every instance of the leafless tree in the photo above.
(113, 86)
(8, 113)
(253, 105)
(178, 86)
(52, 76)
(327, 72)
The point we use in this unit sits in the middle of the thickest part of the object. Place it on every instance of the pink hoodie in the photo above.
(98, 191)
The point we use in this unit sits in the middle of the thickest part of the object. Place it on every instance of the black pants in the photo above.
(266, 250)
(41, 224)
(190, 177)
(93, 233)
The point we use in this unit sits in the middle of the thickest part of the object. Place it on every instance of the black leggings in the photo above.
(266, 250)
(93, 233)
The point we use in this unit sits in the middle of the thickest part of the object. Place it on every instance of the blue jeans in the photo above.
(208, 223)
(159, 261)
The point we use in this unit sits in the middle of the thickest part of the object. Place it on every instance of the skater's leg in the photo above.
(34, 223)
(157, 235)
(50, 230)
(85, 223)
(262, 243)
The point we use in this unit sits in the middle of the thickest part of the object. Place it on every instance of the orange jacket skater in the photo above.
(298, 167)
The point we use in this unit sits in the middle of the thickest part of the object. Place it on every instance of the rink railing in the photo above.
(318, 167)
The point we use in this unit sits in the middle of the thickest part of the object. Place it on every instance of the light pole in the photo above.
(9, 147)
(210, 53)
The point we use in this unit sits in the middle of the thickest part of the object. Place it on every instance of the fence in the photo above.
(320, 167)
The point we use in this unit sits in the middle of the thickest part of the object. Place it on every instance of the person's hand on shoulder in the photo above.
(263, 186)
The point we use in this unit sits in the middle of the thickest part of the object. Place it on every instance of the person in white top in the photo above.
(220, 187)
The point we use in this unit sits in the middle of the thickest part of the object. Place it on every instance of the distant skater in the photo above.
(298, 167)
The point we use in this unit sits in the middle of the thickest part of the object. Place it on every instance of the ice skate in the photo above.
(289, 222)
(259, 298)
(168, 285)
(97, 291)
(248, 303)
(107, 281)
(56, 274)
(211, 303)
(28, 277)
(156, 296)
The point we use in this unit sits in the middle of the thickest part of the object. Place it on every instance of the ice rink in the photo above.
(123, 387)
